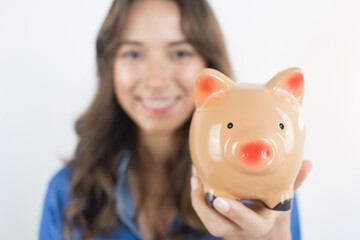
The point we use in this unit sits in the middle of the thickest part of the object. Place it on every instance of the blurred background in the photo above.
(48, 77)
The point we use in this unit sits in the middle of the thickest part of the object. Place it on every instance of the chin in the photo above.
(160, 128)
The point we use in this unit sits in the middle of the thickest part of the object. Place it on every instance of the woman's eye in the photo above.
(181, 54)
(131, 54)
(281, 126)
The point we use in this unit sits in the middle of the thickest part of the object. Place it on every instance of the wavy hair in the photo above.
(105, 130)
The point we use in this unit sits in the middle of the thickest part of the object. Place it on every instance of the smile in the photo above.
(158, 105)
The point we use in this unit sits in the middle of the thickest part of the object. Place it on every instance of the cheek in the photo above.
(123, 76)
(124, 79)
(186, 74)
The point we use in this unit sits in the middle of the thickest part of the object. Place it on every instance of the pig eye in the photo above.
(281, 126)
(230, 125)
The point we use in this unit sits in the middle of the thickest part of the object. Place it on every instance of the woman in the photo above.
(130, 175)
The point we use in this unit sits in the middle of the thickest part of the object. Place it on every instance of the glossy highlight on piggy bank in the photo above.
(247, 140)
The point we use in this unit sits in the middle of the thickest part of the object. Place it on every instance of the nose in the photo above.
(256, 154)
(156, 73)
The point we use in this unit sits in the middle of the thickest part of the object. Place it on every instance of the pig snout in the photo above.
(255, 151)
(255, 154)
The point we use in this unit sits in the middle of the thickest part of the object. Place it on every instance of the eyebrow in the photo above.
(178, 42)
(137, 43)
(130, 42)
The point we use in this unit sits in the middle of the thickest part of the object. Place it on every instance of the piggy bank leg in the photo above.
(209, 197)
(281, 206)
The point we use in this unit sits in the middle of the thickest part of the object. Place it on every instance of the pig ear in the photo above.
(210, 82)
(289, 84)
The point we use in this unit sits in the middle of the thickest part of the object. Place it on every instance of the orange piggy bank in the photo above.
(247, 140)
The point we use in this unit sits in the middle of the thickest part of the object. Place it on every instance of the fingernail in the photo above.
(222, 204)
(193, 170)
(194, 182)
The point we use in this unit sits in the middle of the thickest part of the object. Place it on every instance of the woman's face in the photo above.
(155, 67)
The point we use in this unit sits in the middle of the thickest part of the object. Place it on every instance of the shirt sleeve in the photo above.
(295, 223)
(57, 195)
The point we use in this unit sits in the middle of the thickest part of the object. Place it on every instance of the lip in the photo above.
(158, 110)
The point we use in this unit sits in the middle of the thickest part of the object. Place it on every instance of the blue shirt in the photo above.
(58, 197)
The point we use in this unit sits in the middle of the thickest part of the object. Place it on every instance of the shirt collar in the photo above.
(125, 207)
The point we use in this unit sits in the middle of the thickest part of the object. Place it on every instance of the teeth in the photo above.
(159, 103)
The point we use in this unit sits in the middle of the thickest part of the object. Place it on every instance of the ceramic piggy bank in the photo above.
(246, 140)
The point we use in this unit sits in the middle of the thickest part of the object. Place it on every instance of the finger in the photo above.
(254, 223)
(214, 222)
(305, 169)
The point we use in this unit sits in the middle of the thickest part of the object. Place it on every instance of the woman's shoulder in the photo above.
(60, 180)
(56, 199)
(58, 190)
(61, 177)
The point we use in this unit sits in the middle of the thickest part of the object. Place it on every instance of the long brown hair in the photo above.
(105, 130)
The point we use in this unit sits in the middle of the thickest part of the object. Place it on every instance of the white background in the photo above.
(47, 78)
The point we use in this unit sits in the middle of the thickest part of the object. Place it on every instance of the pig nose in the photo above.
(256, 154)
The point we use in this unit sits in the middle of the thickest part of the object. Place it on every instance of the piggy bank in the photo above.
(246, 140)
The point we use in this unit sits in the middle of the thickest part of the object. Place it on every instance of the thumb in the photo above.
(305, 169)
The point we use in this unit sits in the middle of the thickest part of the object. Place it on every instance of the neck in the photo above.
(155, 149)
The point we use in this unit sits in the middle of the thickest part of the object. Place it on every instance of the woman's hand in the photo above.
(233, 220)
